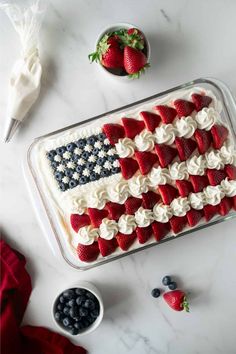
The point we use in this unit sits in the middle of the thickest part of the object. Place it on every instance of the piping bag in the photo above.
(25, 79)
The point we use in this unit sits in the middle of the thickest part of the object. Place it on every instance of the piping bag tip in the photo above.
(11, 129)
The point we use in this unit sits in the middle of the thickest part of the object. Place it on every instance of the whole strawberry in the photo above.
(135, 62)
(109, 53)
(177, 300)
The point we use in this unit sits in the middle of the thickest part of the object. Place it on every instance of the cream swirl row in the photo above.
(162, 213)
(166, 133)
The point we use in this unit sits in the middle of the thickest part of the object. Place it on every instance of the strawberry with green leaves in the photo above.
(177, 300)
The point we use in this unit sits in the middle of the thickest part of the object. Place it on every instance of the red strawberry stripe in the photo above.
(168, 193)
(198, 182)
(215, 176)
(210, 211)
(219, 134)
(146, 160)
(113, 132)
(185, 147)
(151, 120)
(107, 247)
(200, 101)
(125, 241)
(234, 202)
(230, 170)
(77, 221)
(225, 206)
(165, 154)
(132, 204)
(203, 139)
(128, 167)
(194, 216)
(184, 108)
(150, 199)
(97, 215)
(184, 187)
(88, 253)
(177, 223)
(160, 230)
(132, 127)
(143, 233)
(167, 114)
(115, 210)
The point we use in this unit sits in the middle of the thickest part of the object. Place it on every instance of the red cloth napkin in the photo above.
(15, 291)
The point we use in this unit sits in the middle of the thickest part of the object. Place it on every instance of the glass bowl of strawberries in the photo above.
(122, 50)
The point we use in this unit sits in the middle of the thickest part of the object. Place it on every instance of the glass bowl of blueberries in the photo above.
(79, 310)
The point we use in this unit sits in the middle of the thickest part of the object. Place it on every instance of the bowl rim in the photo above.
(113, 27)
(94, 290)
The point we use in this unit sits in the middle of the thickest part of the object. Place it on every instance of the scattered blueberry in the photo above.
(83, 180)
(61, 150)
(101, 137)
(72, 183)
(172, 285)
(156, 292)
(81, 143)
(62, 187)
(93, 176)
(51, 155)
(70, 147)
(79, 169)
(91, 140)
(85, 155)
(75, 157)
(166, 280)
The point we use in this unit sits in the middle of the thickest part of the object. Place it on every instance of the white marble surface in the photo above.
(189, 39)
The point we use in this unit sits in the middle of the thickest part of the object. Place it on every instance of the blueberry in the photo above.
(95, 151)
(66, 310)
(89, 304)
(69, 172)
(54, 164)
(72, 302)
(111, 158)
(60, 307)
(67, 321)
(61, 150)
(72, 183)
(105, 173)
(73, 331)
(115, 170)
(94, 313)
(83, 312)
(62, 299)
(172, 285)
(58, 176)
(83, 180)
(93, 176)
(101, 137)
(156, 292)
(70, 147)
(166, 280)
(75, 157)
(58, 316)
(80, 299)
(81, 143)
(101, 161)
(79, 291)
(90, 166)
(69, 294)
(51, 155)
(79, 169)
(86, 323)
(62, 187)
(78, 325)
(85, 155)
(91, 296)
(91, 140)
(74, 312)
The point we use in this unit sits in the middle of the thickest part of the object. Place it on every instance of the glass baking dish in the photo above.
(55, 218)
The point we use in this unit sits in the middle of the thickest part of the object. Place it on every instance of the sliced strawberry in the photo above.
(219, 134)
(200, 101)
(151, 120)
(143, 233)
(113, 132)
(132, 127)
(160, 230)
(165, 154)
(88, 253)
(132, 204)
(198, 182)
(107, 247)
(115, 210)
(77, 221)
(203, 139)
(145, 161)
(225, 206)
(234, 202)
(184, 187)
(97, 215)
(177, 223)
(168, 193)
(210, 211)
(167, 114)
(230, 170)
(194, 216)
(185, 147)
(215, 176)
(128, 167)
(184, 108)
(150, 199)
(125, 241)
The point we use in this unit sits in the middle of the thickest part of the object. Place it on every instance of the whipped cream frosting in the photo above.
(127, 224)
(144, 217)
(145, 141)
(108, 229)
(138, 185)
(185, 127)
(158, 176)
(86, 235)
(162, 212)
(206, 118)
(178, 171)
(180, 206)
(125, 147)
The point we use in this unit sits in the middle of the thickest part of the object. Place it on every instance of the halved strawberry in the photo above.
(125, 241)
(198, 182)
(145, 161)
(230, 171)
(143, 233)
(210, 211)
(160, 230)
(184, 108)
(128, 167)
(165, 154)
(219, 134)
(203, 139)
(77, 221)
(151, 120)
(225, 206)
(234, 202)
(185, 147)
(88, 253)
(107, 247)
(200, 101)
(184, 187)
(115, 210)
(113, 132)
(167, 114)
(177, 223)
(97, 215)
(150, 199)
(168, 193)
(215, 176)
(132, 127)
(132, 204)
(194, 216)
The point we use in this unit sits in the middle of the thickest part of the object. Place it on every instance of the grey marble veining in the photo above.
(188, 39)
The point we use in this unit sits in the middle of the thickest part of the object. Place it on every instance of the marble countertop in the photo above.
(189, 39)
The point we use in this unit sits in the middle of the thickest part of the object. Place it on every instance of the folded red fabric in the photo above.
(15, 290)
